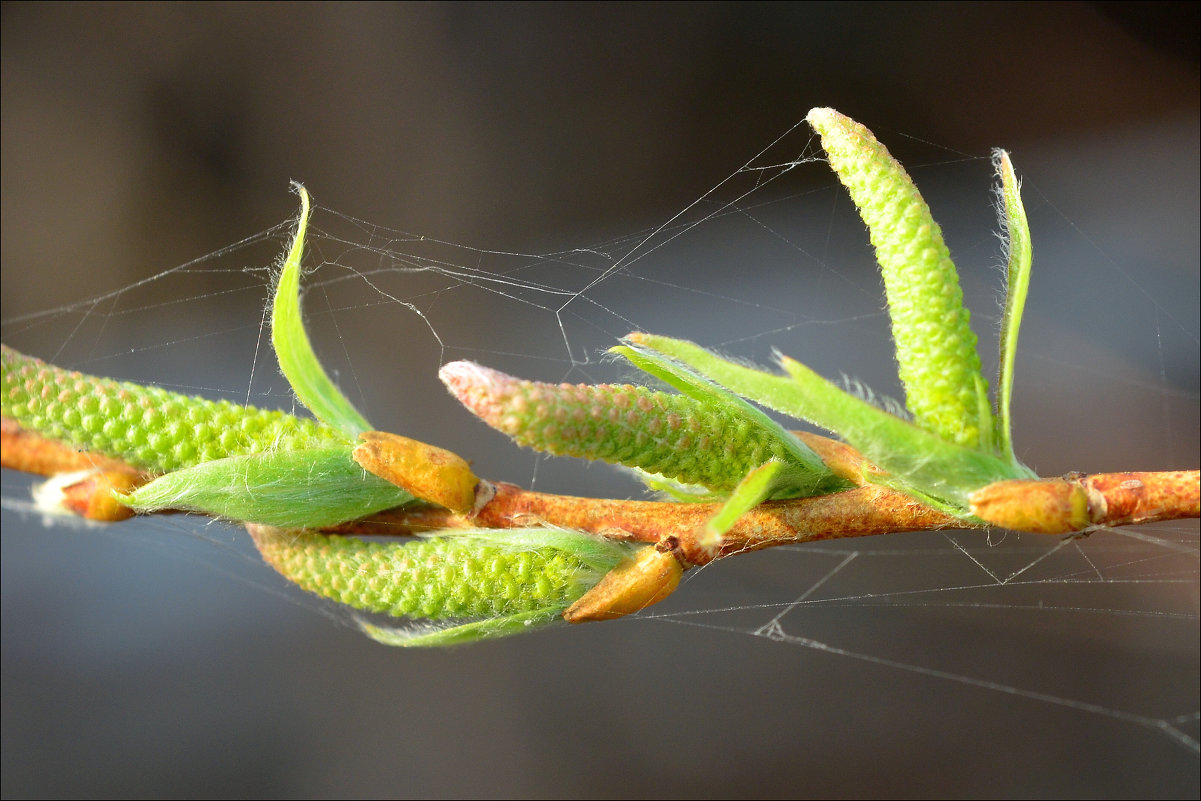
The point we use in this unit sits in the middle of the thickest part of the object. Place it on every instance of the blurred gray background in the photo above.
(157, 658)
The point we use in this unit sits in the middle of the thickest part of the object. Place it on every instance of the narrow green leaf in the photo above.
(597, 553)
(1019, 258)
(297, 360)
(809, 474)
(757, 487)
(919, 459)
(307, 488)
(433, 635)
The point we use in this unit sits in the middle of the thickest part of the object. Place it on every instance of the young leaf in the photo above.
(307, 488)
(808, 474)
(920, 460)
(1018, 258)
(757, 487)
(437, 635)
(297, 360)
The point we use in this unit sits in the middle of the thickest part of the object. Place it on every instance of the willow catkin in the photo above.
(148, 427)
(936, 349)
(674, 436)
(437, 578)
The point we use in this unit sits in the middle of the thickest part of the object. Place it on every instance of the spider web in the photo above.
(953, 661)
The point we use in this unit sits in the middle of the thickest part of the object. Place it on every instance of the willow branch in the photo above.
(1109, 499)
(858, 512)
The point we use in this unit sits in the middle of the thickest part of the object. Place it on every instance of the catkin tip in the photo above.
(820, 114)
(481, 389)
(465, 375)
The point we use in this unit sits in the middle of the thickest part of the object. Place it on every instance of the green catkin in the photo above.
(438, 578)
(148, 427)
(936, 349)
(670, 435)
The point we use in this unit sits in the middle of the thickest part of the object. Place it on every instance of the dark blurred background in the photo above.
(148, 134)
(139, 137)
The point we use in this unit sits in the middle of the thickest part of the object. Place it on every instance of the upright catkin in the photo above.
(936, 349)
(147, 427)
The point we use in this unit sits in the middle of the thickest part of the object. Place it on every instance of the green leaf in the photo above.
(1018, 256)
(920, 460)
(308, 488)
(435, 635)
(297, 360)
(808, 474)
(597, 553)
(759, 485)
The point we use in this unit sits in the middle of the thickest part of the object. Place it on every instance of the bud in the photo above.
(1039, 506)
(91, 494)
(635, 584)
(428, 472)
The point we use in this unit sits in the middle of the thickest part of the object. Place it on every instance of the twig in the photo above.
(858, 512)
(1110, 499)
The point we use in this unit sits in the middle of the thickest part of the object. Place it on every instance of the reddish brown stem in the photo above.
(1071, 503)
(854, 513)
(32, 453)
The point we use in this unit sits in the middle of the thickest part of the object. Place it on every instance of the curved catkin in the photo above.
(437, 578)
(148, 427)
(670, 435)
(936, 349)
